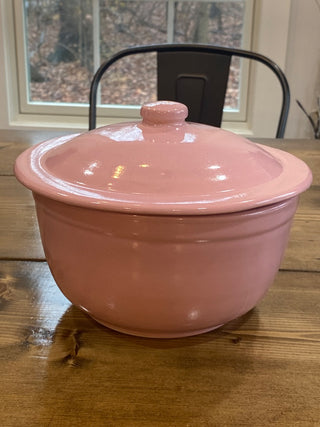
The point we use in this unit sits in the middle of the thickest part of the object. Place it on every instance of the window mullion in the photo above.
(96, 40)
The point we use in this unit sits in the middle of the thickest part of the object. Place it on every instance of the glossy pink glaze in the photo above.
(162, 165)
(163, 228)
(163, 276)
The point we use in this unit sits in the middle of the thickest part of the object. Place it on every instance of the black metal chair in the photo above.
(196, 75)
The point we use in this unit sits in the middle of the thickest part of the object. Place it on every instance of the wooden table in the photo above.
(60, 368)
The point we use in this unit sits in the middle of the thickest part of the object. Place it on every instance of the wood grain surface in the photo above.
(60, 368)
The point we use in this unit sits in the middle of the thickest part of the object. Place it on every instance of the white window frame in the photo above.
(75, 116)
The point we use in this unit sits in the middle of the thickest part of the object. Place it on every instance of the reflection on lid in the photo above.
(189, 137)
(125, 134)
(90, 169)
(118, 171)
(221, 177)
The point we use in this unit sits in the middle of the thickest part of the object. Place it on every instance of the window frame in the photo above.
(32, 107)
(15, 117)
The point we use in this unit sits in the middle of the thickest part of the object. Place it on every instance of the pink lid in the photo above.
(162, 165)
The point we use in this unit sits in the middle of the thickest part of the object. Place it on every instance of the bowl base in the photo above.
(155, 334)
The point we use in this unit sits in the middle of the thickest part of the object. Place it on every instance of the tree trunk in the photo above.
(75, 35)
(201, 30)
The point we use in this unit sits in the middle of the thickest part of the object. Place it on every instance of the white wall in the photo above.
(270, 38)
(302, 66)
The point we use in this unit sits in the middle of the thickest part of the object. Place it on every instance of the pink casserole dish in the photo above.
(163, 228)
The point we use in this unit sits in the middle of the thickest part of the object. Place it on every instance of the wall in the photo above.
(302, 66)
(270, 38)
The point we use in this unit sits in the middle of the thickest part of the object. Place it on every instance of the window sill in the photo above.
(80, 124)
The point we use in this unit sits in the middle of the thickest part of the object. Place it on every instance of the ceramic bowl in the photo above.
(163, 228)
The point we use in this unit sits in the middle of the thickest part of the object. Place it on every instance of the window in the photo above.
(25, 102)
(64, 42)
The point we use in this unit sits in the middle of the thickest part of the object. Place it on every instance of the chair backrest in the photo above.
(196, 75)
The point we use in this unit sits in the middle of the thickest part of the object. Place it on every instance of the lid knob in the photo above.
(164, 112)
